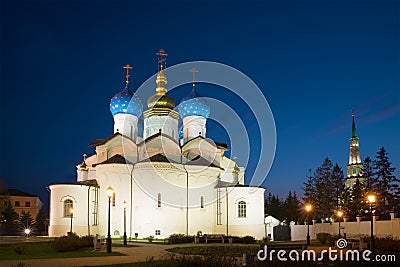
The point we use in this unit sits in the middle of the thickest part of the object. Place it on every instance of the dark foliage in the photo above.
(180, 239)
(71, 242)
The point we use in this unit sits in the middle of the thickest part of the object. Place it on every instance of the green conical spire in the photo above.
(353, 128)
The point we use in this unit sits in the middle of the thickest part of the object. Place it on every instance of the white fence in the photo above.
(388, 228)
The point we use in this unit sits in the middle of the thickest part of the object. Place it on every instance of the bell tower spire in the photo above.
(355, 167)
(353, 126)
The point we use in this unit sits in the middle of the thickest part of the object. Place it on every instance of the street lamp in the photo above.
(110, 193)
(339, 215)
(71, 215)
(371, 200)
(124, 205)
(308, 209)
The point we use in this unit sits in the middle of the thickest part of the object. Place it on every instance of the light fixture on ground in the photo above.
(27, 232)
(124, 205)
(110, 193)
(339, 215)
(308, 208)
(371, 198)
(71, 215)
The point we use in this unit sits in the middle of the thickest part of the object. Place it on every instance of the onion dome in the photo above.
(126, 102)
(194, 105)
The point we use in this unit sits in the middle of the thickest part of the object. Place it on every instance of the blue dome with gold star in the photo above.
(126, 102)
(193, 105)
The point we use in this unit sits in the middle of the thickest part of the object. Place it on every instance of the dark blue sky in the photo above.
(314, 61)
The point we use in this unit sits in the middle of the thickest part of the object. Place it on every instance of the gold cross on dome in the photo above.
(127, 67)
(193, 71)
(162, 59)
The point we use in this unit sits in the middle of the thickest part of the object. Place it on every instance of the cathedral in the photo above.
(163, 179)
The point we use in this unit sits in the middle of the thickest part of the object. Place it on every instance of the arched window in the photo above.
(68, 205)
(242, 209)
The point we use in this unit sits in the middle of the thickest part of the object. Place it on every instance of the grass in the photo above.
(229, 251)
(43, 250)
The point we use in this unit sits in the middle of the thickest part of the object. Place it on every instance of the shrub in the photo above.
(248, 240)
(387, 244)
(71, 242)
(21, 264)
(19, 250)
(150, 238)
(180, 239)
(324, 238)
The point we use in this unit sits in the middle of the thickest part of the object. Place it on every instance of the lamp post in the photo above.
(308, 209)
(71, 215)
(110, 192)
(124, 205)
(371, 200)
(339, 215)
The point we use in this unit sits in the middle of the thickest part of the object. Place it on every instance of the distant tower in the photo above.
(160, 115)
(126, 109)
(83, 170)
(194, 111)
(355, 167)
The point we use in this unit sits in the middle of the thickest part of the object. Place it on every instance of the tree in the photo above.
(9, 219)
(40, 222)
(25, 220)
(325, 190)
(291, 208)
(337, 179)
(273, 207)
(386, 183)
(356, 204)
(309, 189)
(368, 173)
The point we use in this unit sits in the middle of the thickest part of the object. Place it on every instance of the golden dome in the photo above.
(161, 101)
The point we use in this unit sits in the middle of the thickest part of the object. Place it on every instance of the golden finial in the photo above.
(84, 167)
(127, 67)
(162, 59)
(193, 71)
(352, 112)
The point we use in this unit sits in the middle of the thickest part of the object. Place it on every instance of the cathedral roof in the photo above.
(148, 139)
(116, 159)
(193, 105)
(126, 102)
(200, 161)
(159, 158)
(99, 142)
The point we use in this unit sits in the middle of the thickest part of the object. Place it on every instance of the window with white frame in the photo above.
(242, 209)
(158, 232)
(159, 200)
(68, 205)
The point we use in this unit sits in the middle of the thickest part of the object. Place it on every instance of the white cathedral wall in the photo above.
(193, 126)
(60, 225)
(126, 124)
(253, 223)
(170, 182)
(167, 124)
(118, 176)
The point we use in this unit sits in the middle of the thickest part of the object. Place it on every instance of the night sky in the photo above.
(61, 62)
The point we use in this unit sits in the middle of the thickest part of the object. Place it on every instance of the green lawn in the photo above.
(43, 250)
(229, 251)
